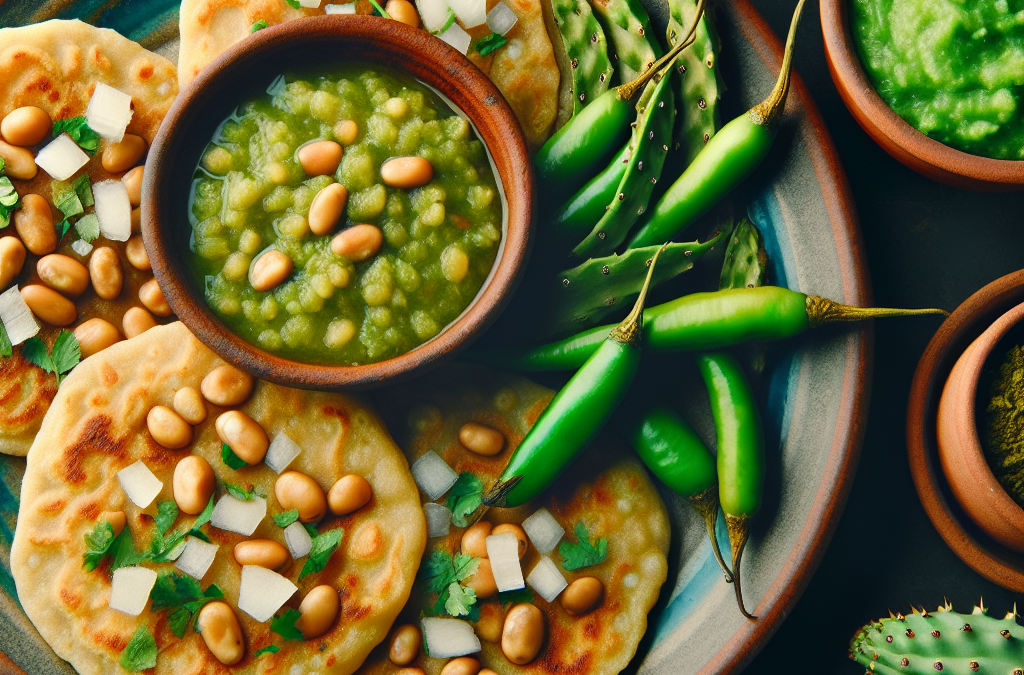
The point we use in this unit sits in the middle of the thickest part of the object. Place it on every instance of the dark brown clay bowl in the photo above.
(985, 554)
(248, 68)
(921, 153)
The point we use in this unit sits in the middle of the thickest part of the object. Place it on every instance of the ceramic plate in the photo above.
(816, 387)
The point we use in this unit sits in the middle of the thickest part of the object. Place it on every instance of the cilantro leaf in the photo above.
(174, 590)
(62, 228)
(167, 513)
(284, 625)
(65, 355)
(10, 200)
(294, 3)
(230, 458)
(88, 227)
(67, 200)
(287, 518)
(583, 553)
(97, 544)
(205, 516)
(239, 492)
(269, 649)
(79, 131)
(140, 653)
(324, 545)
(123, 552)
(311, 530)
(465, 566)
(259, 25)
(464, 498)
(34, 350)
(83, 188)
(6, 348)
(441, 575)
(460, 599)
(437, 572)
(178, 621)
(162, 547)
(489, 43)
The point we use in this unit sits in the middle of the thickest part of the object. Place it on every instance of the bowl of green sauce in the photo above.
(338, 202)
(938, 84)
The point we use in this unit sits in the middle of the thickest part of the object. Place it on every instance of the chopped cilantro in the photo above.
(62, 228)
(311, 530)
(230, 458)
(67, 200)
(583, 553)
(464, 498)
(489, 43)
(379, 9)
(9, 198)
(287, 518)
(324, 545)
(284, 625)
(441, 574)
(447, 24)
(239, 492)
(6, 348)
(178, 621)
(79, 131)
(140, 653)
(97, 543)
(294, 3)
(83, 188)
(259, 25)
(65, 354)
(88, 227)
(183, 596)
(269, 649)
(460, 599)
(123, 553)
(162, 547)
(166, 514)
(204, 517)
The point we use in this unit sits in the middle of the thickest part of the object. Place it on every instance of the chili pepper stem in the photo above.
(629, 90)
(739, 531)
(497, 493)
(822, 311)
(630, 331)
(766, 112)
(706, 505)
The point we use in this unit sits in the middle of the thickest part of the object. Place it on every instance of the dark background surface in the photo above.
(926, 245)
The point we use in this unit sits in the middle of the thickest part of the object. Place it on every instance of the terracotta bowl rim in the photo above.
(878, 119)
(431, 61)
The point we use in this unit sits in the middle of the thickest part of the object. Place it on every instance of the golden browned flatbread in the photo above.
(97, 426)
(55, 66)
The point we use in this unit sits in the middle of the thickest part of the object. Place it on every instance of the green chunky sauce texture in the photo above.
(953, 69)
(250, 193)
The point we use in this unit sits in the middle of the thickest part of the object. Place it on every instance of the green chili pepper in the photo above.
(576, 218)
(728, 158)
(576, 414)
(677, 456)
(740, 449)
(703, 321)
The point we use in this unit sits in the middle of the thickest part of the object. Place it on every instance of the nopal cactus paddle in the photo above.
(586, 49)
(700, 87)
(629, 28)
(941, 641)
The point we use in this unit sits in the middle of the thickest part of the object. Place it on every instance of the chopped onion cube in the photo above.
(197, 557)
(447, 638)
(309, 4)
(61, 158)
(113, 209)
(129, 592)
(262, 592)
(16, 317)
(433, 475)
(109, 112)
(547, 580)
(503, 552)
(501, 19)
(439, 519)
(457, 38)
(282, 451)
(350, 8)
(471, 13)
(81, 247)
(139, 483)
(544, 531)
(298, 540)
(239, 515)
(433, 13)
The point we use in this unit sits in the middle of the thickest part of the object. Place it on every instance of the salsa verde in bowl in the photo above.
(338, 224)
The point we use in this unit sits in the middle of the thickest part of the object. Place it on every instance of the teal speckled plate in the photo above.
(817, 390)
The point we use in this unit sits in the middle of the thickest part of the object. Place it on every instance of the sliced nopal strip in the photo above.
(700, 86)
(629, 28)
(586, 49)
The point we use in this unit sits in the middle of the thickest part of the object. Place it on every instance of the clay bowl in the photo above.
(960, 452)
(969, 539)
(921, 153)
(248, 68)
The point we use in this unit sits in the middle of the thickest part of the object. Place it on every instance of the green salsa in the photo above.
(953, 69)
(436, 243)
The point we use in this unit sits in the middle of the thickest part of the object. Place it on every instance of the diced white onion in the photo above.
(514, 49)
(61, 158)
(129, 592)
(282, 451)
(433, 475)
(544, 531)
(16, 316)
(298, 540)
(350, 8)
(471, 13)
(433, 13)
(109, 112)
(81, 247)
(309, 4)
(501, 18)
(239, 515)
(197, 557)
(262, 592)
(113, 209)
(457, 38)
(139, 483)
(547, 580)
(447, 638)
(439, 519)
(503, 552)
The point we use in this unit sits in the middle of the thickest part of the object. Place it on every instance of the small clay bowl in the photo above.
(976, 547)
(921, 153)
(248, 68)
(960, 452)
